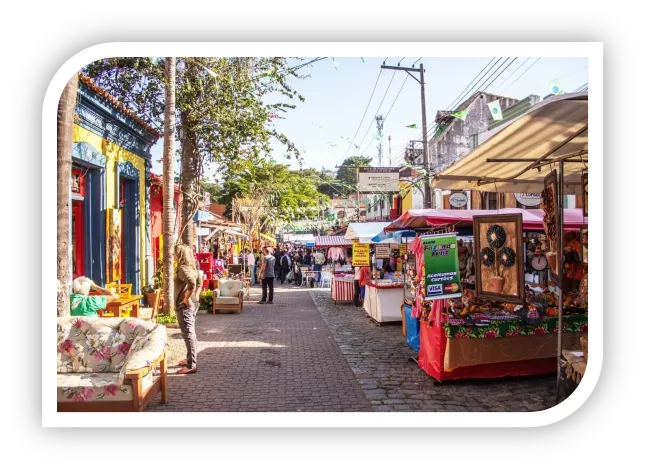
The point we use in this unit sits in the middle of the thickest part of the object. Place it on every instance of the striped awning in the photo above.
(332, 241)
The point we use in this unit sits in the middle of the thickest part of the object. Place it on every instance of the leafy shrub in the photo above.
(206, 300)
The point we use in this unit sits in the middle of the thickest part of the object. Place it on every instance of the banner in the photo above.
(442, 279)
(495, 110)
(360, 254)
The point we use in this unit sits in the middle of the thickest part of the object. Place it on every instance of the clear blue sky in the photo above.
(336, 101)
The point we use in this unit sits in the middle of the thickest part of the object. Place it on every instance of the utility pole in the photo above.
(426, 163)
(389, 141)
(379, 132)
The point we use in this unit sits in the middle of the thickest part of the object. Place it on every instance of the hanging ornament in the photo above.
(555, 88)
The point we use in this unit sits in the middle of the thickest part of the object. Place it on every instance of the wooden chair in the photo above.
(124, 290)
(150, 314)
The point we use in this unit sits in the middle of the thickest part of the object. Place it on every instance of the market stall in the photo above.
(504, 327)
(384, 294)
(342, 286)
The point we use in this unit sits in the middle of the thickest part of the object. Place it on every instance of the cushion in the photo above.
(230, 287)
(103, 387)
(223, 300)
(104, 345)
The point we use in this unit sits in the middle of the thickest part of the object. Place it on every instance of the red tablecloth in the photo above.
(342, 289)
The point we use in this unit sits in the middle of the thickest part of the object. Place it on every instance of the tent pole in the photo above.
(561, 272)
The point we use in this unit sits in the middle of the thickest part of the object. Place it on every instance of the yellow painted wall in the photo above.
(115, 154)
(406, 203)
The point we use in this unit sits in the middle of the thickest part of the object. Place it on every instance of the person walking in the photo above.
(250, 262)
(319, 261)
(188, 286)
(285, 267)
(267, 274)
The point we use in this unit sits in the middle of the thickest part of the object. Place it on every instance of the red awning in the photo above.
(434, 218)
(332, 241)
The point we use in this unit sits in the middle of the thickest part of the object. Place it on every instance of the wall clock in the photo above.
(539, 262)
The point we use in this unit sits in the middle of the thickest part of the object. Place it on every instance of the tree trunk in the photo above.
(169, 188)
(189, 162)
(66, 108)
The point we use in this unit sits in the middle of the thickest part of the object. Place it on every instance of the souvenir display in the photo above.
(552, 224)
(499, 269)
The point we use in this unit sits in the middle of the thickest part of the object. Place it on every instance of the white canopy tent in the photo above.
(518, 157)
(364, 232)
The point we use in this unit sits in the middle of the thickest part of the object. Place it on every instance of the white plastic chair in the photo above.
(325, 277)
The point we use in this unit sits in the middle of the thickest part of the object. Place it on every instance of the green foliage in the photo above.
(288, 195)
(167, 319)
(222, 103)
(206, 300)
(346, 174)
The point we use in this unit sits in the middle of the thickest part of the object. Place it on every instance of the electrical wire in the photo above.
(362, 118)
(499, 74)
(529, 68)
(514, 71)
(377, 110)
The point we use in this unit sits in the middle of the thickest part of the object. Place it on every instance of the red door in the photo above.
(78, 254)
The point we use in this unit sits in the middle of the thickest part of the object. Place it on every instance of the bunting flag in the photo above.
(460, 114)
(412, 126)
(554, 86)
(495, 110)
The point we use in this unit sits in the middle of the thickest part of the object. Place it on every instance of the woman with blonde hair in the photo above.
(188, 286)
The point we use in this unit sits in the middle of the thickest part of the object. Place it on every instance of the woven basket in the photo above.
(584, 343)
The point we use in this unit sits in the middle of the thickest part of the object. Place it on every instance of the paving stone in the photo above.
(381, 355)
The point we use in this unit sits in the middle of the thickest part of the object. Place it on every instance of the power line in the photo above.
(377, 110)
(514, 71)
(389, 110)
(491, 75)
(472, 81)
(364, 114)
(500, 73)
(529, 68)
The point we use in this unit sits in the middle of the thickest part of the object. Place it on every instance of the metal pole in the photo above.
(389, 139)
(358, 198)
(426, 163)
(560, 271)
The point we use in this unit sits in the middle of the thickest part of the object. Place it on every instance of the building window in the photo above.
(491, 201)
(474, 141)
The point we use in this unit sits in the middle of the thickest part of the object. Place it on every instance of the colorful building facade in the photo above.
(110, 213)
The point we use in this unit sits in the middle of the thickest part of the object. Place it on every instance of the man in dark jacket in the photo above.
(285, 266)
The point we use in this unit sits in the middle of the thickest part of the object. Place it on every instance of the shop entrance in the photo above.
(129, 205)
(78, 223)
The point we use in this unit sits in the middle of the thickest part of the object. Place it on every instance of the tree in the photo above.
(346, 174)
(223, 108)
(169, 188)
(65, 129)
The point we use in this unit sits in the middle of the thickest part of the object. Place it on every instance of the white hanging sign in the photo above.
(528, 199)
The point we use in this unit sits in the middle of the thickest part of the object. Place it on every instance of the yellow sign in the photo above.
(403, 249)
(360, 254)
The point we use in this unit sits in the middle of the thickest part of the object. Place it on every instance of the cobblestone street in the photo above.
(380, 359)
(305, 353)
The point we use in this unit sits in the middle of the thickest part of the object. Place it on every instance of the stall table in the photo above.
(383, 302)
(342, 288)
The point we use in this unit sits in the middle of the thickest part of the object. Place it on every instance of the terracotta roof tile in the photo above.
(118, 105)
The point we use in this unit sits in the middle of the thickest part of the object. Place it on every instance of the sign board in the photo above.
(528, 199)
(403, 249)
(376, 180)
(360, 254)
(458, 200)
(442, 279)
(382, 251)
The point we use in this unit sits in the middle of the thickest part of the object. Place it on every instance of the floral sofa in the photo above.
(109, 364)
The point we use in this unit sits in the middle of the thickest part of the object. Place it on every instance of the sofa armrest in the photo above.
(146, 350)
(216, 293)
(143, 371)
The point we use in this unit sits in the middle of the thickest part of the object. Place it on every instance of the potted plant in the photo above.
(152, 292)
(497, 257)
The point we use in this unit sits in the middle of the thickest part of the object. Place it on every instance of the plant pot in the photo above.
(151, 296)
(552, 259)
(496, 284)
